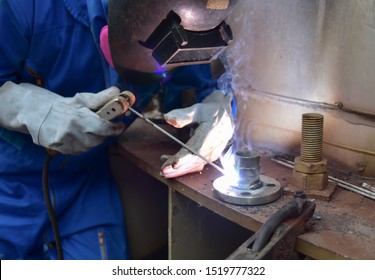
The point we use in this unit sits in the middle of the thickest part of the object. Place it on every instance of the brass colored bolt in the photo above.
(307, 181)
(310, 169)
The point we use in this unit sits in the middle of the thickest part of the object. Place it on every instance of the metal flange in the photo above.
(225, 190)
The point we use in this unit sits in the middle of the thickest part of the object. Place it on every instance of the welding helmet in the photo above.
(149, 38)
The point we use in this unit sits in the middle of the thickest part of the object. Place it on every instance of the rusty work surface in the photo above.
(346, 228)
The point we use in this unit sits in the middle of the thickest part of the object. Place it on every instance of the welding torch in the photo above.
(123, 103)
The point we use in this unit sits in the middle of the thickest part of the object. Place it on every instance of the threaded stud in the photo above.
(312, 137)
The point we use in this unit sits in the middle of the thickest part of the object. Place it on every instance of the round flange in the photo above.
(229, 192)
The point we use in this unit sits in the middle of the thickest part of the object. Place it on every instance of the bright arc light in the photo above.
(227, 161)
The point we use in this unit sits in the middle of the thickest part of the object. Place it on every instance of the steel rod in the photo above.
(343, 184)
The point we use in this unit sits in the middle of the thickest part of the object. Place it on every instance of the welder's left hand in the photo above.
(215, 129)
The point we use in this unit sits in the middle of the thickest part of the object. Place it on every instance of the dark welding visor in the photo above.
(173, 45)
(149, 38)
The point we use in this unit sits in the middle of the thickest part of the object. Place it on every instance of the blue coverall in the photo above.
(55, 44)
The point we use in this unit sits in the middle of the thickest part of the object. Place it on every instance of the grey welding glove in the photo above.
(215, 129)
(66, 125)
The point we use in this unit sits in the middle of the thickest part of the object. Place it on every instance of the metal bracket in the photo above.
(281, 246)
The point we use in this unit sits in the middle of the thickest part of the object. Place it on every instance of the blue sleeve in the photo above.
(195, 77)
(15, 44)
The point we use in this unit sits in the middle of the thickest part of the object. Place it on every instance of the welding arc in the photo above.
(177, 141)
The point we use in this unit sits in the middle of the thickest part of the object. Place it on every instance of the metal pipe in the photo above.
(316, 104)
(247, 166)
(371, 153)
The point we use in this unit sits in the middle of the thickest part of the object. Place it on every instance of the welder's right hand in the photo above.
(66, 125)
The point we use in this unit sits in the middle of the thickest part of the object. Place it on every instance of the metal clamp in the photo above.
(276, 239)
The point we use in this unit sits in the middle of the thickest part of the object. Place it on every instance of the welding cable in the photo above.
(289, 210)
(50, 210)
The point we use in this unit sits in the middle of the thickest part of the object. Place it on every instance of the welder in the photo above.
(60, 62)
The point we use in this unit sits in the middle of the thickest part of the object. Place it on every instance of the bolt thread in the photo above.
(312, 137)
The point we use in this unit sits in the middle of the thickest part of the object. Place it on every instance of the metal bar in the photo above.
(176, 140)
(343, 184)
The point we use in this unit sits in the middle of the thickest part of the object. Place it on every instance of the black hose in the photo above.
(50, 210)
(291, 209)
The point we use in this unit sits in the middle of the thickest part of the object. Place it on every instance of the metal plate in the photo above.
(226, 191)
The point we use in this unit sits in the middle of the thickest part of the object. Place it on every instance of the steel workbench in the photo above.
(182, 216)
